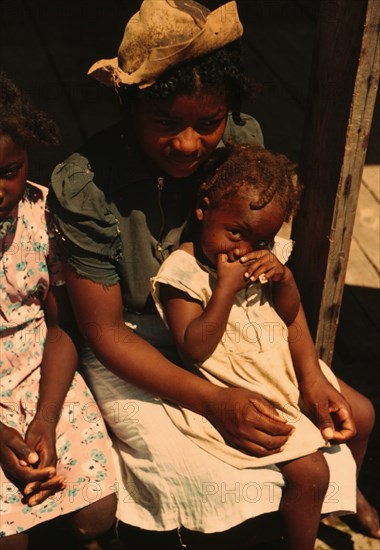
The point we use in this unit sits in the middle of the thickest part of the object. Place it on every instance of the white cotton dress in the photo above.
(253, 354)
(172, 475)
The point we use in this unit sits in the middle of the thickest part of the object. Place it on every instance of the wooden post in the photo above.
(343, 92)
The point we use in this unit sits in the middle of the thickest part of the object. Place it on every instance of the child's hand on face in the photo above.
(231, 274)
(263, 265)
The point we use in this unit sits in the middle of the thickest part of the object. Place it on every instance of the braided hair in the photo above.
(240, 168)
(21, 120)
(219, 69)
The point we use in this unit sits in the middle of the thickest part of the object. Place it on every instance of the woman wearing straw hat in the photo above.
(120, 206)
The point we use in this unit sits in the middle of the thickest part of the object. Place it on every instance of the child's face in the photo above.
(178, 134)
(13, 172)
(234, 229)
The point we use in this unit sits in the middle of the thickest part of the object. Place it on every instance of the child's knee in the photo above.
(316, 473)
(94, 520)
(309, 473)
(364, 416)
(319, 474)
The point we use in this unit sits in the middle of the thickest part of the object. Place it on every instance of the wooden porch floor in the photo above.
(47, 47)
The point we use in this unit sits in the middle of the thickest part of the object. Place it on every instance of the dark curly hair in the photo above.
(219, 69)
(21, 120)
(237, 168)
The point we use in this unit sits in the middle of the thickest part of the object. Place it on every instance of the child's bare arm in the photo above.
(197, 330)
(57, 370)
(60, 357)
(327, 406)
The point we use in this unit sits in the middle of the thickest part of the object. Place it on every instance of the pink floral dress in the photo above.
(28, 266)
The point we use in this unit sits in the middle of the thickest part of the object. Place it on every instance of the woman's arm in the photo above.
(245, 419)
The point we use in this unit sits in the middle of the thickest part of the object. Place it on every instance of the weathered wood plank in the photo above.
(345, 82)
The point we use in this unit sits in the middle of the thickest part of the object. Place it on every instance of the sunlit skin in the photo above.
(236, 240)
(178, 134)
(13, 173)
(237, 230)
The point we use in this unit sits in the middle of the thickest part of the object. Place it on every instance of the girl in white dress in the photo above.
(234, 310)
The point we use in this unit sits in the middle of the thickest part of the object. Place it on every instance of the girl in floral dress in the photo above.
(55, 452)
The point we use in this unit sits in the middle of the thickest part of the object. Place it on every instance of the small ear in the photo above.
(202, 207)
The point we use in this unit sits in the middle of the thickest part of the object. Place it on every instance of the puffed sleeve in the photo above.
(250, 132)
(87, 229)
(53, 259)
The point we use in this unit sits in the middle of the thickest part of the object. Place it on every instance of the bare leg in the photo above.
(307, 480)
(364, 416)
(92, 524)
(14, 542)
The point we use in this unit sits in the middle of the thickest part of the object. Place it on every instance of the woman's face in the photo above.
(13, 172)
(178, 134)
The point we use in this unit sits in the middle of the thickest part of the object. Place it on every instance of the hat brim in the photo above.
(222, 27)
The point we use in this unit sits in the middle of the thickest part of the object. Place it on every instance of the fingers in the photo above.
(39, 491)
(31, 459)
(336, 423)
(324, 421)
(262, 265)
(264, 439)
(27, 474)
(267, 448)
(222, 258)
(22, 450)
(263, 431)
(21, 469)
(344, 425)
(41, 495)
(38, 498)
(252, 423)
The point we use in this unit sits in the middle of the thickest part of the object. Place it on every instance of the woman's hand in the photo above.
(248, 422)
(329, 410)
(40, 437)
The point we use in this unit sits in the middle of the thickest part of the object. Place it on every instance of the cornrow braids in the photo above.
(219, 69)
(21, 120)
(241, 167)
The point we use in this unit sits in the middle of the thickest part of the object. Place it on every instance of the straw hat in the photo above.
(163, 34)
